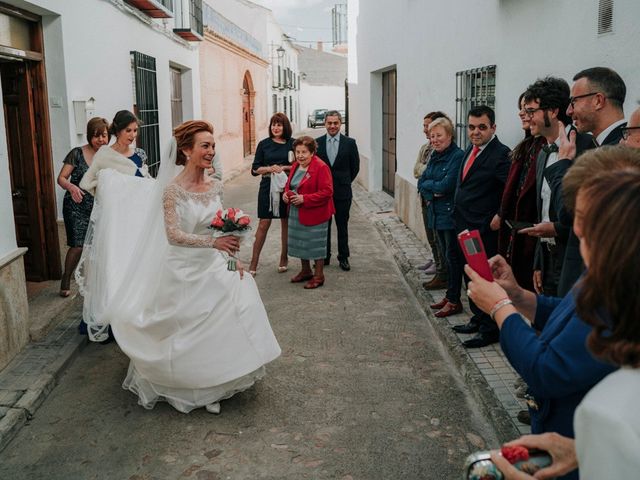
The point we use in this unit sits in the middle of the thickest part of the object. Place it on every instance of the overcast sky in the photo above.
(305, 20)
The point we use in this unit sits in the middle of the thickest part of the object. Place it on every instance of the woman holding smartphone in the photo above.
(588, 334)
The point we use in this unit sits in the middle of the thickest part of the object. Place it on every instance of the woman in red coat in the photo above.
(309, 194)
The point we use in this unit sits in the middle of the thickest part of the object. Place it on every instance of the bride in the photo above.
(195, 332)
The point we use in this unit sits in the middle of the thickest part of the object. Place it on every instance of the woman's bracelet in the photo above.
(497, 306)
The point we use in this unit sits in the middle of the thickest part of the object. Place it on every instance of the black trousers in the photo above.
(552, 257)
(342, 225)
(483, 320)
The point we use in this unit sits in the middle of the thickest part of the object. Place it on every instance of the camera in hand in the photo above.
(479, 465)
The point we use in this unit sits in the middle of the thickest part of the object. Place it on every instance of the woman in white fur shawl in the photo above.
(120, 156)
(101, 264)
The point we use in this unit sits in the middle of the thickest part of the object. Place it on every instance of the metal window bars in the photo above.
(146, 108)
(473, 87)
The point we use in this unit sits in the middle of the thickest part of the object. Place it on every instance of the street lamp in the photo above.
(280, 51)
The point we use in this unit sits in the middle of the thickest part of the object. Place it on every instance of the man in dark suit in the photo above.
(596, 106)
(341, 154)
(478, 193)
(545, 105)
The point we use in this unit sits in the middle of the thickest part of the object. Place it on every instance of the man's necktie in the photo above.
(333, 151)
(470, 160)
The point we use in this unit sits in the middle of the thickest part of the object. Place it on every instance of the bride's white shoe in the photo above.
(213, 408)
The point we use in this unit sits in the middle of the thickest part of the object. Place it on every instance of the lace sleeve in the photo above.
(176, 236)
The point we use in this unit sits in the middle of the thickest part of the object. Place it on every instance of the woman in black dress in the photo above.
(272, 159)
(77, 204)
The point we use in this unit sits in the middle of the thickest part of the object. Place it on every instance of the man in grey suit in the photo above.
(341, 154)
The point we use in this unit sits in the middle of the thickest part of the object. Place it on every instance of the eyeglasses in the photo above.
(626, 131)
(572, 100)
(528, 112)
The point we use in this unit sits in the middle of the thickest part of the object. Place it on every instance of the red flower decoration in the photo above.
(515, 454)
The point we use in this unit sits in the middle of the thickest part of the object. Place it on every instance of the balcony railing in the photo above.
(188, 21)
(154, 8)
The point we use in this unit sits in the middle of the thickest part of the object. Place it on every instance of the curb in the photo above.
(31, 376)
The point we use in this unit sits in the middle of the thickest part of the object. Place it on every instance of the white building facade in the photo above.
(323, 77)
(283, 76)
(63, 62)
(410, 57)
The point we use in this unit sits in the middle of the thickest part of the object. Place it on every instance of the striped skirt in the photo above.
(307, 243)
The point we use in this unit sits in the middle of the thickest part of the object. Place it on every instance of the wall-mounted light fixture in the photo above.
(280, 51)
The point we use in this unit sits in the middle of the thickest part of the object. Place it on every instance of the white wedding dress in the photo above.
(195, 332)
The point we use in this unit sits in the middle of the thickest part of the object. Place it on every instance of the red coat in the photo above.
(317, 189)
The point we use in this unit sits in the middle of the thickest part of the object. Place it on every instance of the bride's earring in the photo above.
(188, 157)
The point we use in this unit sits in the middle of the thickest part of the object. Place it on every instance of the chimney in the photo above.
(319, 46)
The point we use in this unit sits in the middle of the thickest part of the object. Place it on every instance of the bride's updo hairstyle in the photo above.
(122, 120)
(185, 135)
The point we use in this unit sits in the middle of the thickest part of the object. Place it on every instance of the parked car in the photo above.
(316, 118)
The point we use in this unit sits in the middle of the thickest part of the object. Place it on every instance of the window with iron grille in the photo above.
(473, 88)
(605, 16)
(176, 96)
(274, 99)
(291, 116)
(146, 107)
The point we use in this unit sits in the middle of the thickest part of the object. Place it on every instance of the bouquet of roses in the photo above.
(231, 222)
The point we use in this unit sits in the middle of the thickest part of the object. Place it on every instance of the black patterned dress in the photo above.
(76, 215)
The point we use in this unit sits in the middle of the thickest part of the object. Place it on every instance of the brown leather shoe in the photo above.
(439, 305)
(449, 309)
(315, 282)
(302, 277)
(436, 283)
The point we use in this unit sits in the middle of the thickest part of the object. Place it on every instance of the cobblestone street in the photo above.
(365, 389)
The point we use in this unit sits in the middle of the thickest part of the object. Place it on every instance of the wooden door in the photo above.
(24, 171)
(389, 164)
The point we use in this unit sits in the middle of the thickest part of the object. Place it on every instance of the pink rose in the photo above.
(217, 222)
(244, 221)
(231, 214)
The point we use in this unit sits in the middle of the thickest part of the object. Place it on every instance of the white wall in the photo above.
(87, 47)
(428, 42)
(7, 225)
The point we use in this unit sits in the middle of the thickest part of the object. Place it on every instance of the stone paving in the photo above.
(364, 390)
(34, 372)
(491, 376)
(29, 378)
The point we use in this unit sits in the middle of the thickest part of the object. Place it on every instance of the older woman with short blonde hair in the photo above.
(437, 186)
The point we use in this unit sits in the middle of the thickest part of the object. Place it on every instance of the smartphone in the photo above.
(473, 249)
(515, 225)
(478, 466)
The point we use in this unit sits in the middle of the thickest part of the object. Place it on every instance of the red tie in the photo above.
(472, 158)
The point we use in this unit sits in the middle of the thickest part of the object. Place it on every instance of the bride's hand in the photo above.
(228, 244)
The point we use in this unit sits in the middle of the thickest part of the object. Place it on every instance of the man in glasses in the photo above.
(596, 106)
(478, 193)
(631, 133)
(545, 105)
(597, 98)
